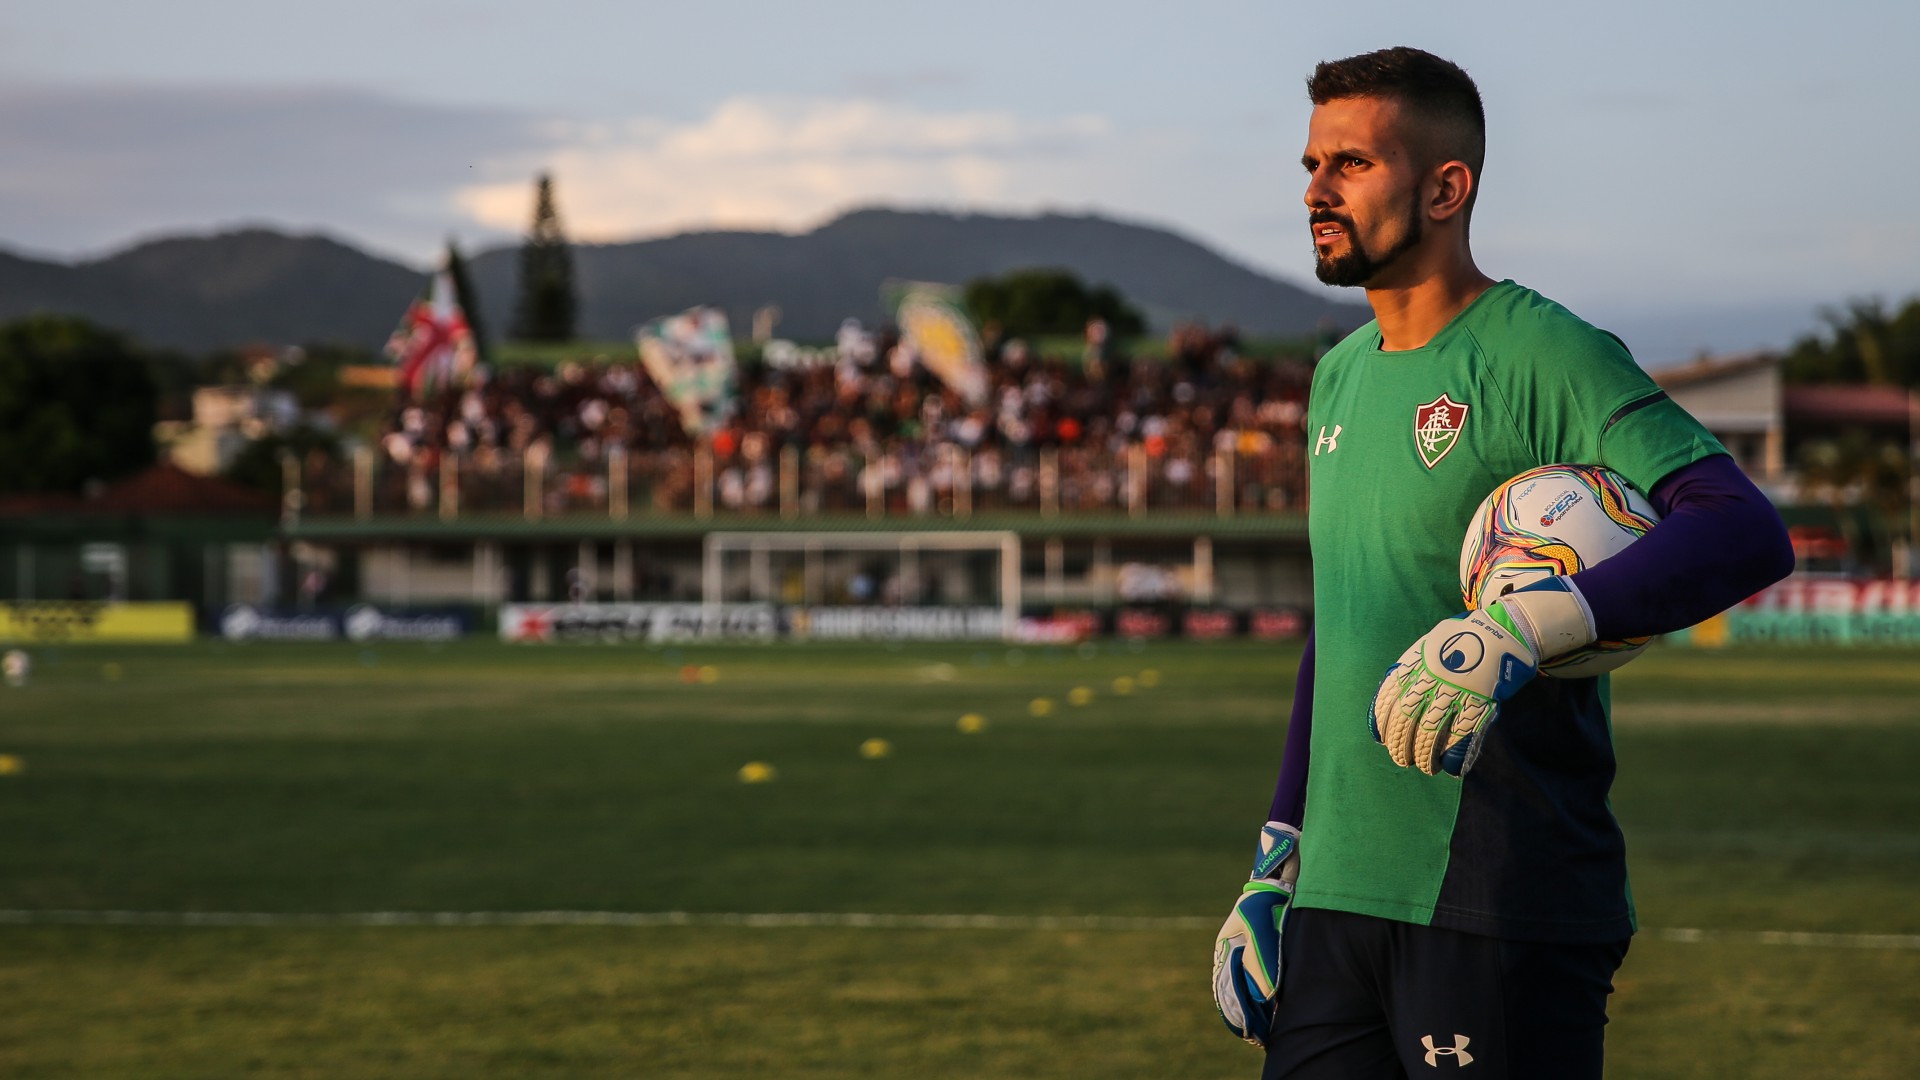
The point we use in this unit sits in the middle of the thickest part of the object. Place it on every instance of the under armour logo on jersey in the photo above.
(1458, 1051)
(1327, 442)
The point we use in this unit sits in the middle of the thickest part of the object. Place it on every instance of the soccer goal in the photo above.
(881, 583)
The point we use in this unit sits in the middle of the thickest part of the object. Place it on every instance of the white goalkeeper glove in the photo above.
(1246, 956)
(1433, 709)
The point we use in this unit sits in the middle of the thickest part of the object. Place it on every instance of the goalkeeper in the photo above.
(1441, 883)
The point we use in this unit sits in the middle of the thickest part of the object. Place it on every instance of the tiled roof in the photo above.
(161, 489)
(1710, 368)
(1848, 404)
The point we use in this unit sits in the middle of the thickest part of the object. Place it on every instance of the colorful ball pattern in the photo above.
(1553, 520)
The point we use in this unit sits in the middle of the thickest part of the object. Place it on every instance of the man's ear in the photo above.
(1453, 185)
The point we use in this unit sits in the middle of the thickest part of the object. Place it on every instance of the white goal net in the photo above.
(887, 582)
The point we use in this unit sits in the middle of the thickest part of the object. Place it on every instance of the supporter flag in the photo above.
(690, 358)
(433, 345)
(935, 327)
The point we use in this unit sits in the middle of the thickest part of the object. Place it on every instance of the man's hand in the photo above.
(1246, 956)
(1433, 709)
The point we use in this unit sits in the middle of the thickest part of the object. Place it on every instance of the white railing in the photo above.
(943, 480)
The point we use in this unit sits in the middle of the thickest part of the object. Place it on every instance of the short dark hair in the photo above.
(1435, 92)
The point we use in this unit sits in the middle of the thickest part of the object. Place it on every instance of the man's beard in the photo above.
(1357, 266)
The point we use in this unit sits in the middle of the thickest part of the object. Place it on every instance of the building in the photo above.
(161, 534)
(225, 420)
(1739, 399)
(1841, 461)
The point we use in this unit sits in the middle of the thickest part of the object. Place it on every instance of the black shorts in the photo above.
(1364, 998)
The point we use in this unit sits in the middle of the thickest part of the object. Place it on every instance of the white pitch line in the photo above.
(1808, 939)
(605, 918)
(851, 920)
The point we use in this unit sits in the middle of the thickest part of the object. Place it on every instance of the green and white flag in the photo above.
(690, 357)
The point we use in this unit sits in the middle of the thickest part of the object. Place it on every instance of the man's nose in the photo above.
(1319, 192)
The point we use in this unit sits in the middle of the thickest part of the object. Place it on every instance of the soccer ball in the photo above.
(1556, 519)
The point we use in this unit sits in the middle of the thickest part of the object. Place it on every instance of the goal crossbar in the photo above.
(760, 545)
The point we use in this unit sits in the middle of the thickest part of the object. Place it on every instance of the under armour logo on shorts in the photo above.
(1458, 1051)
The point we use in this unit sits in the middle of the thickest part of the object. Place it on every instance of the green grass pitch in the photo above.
(1761, 791)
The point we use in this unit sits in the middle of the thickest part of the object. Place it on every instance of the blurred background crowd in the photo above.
(865, 418)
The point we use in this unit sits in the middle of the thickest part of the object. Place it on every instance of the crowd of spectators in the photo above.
(865, 420)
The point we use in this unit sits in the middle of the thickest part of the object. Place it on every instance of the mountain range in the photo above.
(253, 286)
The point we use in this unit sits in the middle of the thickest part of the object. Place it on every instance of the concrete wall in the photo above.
(1743, 409)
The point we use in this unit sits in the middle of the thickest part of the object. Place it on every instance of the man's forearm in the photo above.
(1290, 793)
(1718, 542)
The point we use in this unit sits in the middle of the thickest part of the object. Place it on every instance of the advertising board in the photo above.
(895, 624)
(362, 622)
(617, 623)
(1821, 611)
(1142, 623)
(80, 622)
(1277, 624)
(1207, 624)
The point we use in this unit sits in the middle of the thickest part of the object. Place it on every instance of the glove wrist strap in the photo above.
(1550, 617)
(1279, 857)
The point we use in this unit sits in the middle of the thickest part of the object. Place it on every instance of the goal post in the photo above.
(880, 567)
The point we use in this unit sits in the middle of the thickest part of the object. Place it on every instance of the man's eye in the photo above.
(1352, 163)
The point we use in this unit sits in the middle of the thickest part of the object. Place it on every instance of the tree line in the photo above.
(1864, 342)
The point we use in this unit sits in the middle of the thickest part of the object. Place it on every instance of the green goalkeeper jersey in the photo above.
(1402, 447)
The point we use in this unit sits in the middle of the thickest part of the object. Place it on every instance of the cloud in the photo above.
(777, 163)
(89, 167)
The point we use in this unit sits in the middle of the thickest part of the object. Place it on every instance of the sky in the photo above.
(1698, 177)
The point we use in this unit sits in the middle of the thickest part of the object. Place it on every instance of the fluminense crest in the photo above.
(1436, 428)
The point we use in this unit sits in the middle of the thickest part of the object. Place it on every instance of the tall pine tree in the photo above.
(547, 305)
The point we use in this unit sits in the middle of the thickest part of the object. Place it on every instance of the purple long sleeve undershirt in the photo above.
(1290, 794)
(1718, 542)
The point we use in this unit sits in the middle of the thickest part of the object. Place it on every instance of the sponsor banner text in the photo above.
(615, 623)
(78, 622)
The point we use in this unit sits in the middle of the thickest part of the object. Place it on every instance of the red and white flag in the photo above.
(433, 345)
